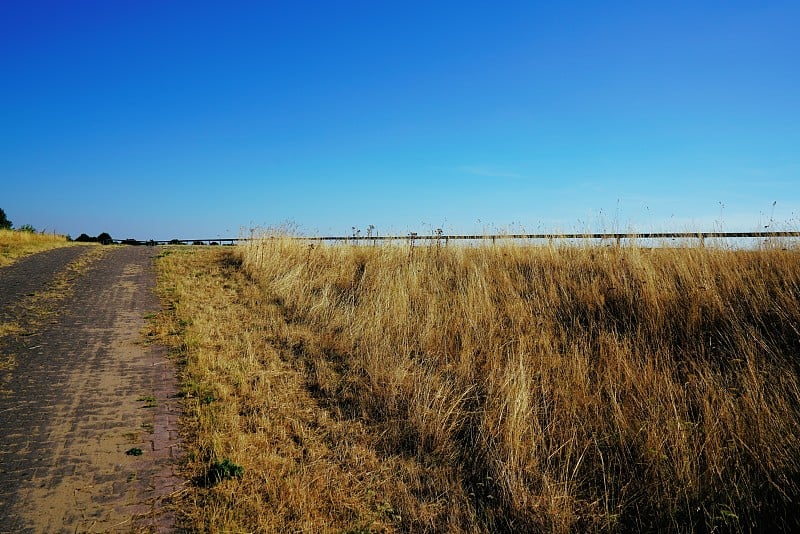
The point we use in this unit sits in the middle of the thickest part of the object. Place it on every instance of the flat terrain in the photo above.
(79, 391)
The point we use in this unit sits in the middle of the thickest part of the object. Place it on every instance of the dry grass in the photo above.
(508, 388)
(16, 244)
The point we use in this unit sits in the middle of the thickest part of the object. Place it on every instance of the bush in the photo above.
(223, 470)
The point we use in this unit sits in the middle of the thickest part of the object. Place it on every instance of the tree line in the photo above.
(6, 224)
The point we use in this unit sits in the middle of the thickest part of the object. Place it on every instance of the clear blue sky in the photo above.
(161, 119)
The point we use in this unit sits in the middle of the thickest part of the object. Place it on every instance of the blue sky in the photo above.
(162, 119)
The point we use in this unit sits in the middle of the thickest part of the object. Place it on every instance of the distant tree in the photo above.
(84, 238)
(5, 224)
(27, 228)
(104, 239)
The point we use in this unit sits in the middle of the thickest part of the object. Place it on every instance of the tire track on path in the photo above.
(84, 391)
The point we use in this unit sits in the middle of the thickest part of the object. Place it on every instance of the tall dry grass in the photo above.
(490, 389)
(15, 244)
(520, 388)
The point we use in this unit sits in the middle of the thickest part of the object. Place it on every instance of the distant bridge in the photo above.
(442, 238)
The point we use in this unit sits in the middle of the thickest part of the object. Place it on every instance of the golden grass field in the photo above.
(16, 244)
(508, 388)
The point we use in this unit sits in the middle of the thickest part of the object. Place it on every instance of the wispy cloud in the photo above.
(488, 172)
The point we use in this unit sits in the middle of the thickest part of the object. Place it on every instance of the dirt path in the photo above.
(82, 392)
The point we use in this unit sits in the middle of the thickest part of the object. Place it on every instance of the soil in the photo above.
(85, 393)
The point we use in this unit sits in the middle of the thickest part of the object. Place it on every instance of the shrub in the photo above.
(223, 470)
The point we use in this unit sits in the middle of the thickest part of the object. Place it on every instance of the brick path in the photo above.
(82, 393)
(29, 274)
